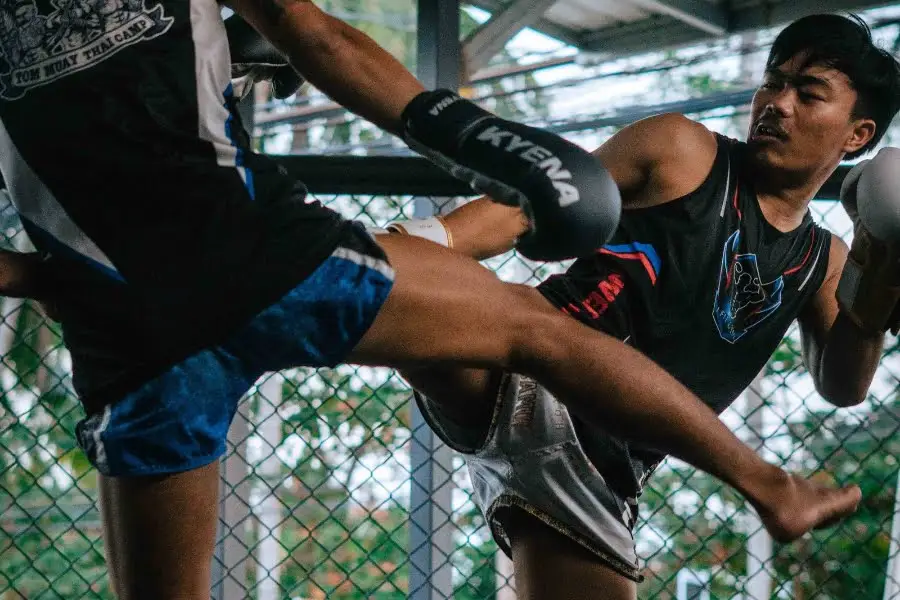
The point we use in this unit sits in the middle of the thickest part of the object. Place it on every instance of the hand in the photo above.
(571, 202)
(254, 59)
(849, 188)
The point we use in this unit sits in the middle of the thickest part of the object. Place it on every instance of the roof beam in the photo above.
(790, 10)
(704, 16)
(542, 25)
(732, 98)
(645, 35)
(490, 37)
(413, 175)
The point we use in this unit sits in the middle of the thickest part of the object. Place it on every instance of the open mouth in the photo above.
(768, 131)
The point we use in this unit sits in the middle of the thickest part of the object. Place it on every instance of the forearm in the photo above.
(483, 228)
(341, 61)
(21, 275)
(844, 365)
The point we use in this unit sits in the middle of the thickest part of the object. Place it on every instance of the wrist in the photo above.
(433, 229)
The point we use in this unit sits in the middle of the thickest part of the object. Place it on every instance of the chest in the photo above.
(727, 276)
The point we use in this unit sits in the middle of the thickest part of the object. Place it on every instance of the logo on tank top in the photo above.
(743, 301)
(41, 42)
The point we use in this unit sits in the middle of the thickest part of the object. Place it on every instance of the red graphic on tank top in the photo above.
(599, 300)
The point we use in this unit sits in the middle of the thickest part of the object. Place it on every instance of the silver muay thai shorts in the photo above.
(531, 459)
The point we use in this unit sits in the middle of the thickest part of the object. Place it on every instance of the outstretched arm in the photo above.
(341, 61)
(646, 172)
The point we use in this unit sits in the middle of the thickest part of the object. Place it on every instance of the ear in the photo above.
(863, 131)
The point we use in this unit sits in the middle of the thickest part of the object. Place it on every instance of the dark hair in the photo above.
(845, 44)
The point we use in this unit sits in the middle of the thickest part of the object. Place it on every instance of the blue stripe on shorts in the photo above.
(179, 420)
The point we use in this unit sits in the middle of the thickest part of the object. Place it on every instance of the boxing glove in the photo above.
(572, 203)
(255, 59)
(869, 289)
(848, 190)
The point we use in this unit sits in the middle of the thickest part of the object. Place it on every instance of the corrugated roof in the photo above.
(628, 26)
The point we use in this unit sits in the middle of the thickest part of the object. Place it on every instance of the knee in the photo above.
(539, 331)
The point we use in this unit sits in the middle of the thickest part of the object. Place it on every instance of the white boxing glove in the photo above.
(878, 195)
(849, 188)
(869, 288)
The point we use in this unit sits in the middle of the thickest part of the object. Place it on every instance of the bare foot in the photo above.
(797, 505)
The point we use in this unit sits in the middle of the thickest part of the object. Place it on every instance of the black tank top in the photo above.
(123, 151)
(703, 285)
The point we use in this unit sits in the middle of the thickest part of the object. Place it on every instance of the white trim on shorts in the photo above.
(370, 262)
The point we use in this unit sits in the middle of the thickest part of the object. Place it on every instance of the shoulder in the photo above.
(660, 158)
(685, 129)
(689, 148)
(674, 134)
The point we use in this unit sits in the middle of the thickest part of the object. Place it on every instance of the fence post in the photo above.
(430, 531)
(431, 528)
(758, 583)
(268, 471)
(431, 463)
(232, 551)
(506, 584)
(892, 576)
(232, 548)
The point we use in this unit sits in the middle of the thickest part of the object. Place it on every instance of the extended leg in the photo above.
(160, 533)
(445, 308)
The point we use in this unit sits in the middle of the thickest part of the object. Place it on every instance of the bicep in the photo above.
(820, 313)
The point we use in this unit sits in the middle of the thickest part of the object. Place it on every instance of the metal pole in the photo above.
(506, 584)
(438, 47)
(229, 569)
(892, 577)
(269, 509)
(758, 584)
(430, 532)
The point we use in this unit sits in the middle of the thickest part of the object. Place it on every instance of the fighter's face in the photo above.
(802, 118)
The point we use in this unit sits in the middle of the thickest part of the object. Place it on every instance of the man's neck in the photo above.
(785, 200)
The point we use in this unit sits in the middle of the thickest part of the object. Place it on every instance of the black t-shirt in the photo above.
(123, 151)
(703, 285)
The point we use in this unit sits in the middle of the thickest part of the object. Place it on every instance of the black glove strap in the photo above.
(435, 117)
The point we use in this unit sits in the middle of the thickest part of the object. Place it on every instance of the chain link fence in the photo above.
(333, 488)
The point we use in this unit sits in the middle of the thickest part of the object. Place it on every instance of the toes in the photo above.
(845, 502)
